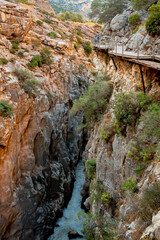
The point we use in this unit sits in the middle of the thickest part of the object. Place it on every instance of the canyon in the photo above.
(44, 69)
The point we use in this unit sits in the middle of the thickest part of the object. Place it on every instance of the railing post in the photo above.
(153, 51)
(116, 45)
(137, 51)
(122, 49)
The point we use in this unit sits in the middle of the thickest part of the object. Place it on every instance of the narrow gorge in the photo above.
(79, 127)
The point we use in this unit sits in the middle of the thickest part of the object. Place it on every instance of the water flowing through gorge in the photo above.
(69, 221)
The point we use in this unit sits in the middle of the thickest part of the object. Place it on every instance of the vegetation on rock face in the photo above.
(15, 46)
(87, 48)
(43, 58)
(3, 61)
(141, 4)
(52, 34)
(107, 131)
(6, 109)
(153, 22)
(130, 185)
(103, 224)
(91, 167)
(134, 20)
(39, 22)
(106, 10)
(127, 109)
(94, 102)
(67, 16)
(28, 81)
(149, 202)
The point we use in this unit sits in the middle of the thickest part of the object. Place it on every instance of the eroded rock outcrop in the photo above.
(39, 143)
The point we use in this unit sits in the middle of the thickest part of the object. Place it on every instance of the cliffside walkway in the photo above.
(114, 49)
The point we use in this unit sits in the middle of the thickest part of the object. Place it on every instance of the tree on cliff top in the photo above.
(142, 4)
(105, 10)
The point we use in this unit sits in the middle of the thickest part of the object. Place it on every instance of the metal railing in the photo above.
(113, 46)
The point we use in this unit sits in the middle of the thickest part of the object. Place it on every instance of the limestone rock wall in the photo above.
(39, 143)
(113, 165)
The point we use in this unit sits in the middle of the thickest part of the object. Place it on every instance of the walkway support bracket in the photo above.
(114, 63)
(140, 67)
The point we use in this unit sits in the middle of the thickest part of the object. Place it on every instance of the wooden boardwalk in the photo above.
(152, 61)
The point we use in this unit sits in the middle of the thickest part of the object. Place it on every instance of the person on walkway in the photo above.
(98, 38)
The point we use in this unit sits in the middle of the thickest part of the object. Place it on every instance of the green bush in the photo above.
(68, 16)
(141, 4)
(6, 109)
(134, 20)
(52, 34)
(61, 33)
(28, 81)
(127, 109)
(20, 54)
(39, 22)
(97, 226)
(13, 51)
(36, 61)
(23, 1)
(153, 22)
(150, 121)
(130, 185)
(76, 47)
(36, 43)
(82, 82)
(15, 46)
(93, 102)
(140, 169)
(46, 20)
(149, 202)
(3, 61)
(87, 48)
(79, 33)
(46, 56)
(91, 168)
(79, 40)
(107, 131)
(12, 60)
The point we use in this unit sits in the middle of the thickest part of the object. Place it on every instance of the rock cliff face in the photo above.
(39, 144)
(113, 164)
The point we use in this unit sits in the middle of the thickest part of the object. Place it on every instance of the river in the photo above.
(69, 221)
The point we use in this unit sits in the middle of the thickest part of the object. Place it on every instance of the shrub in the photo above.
(94, 73)
(28, 81)
(6, 109)
(61, 33)
(3, 61)
(140, 169)
(153, 22)
(79, 33)
(149, 202)
(20, 54)
(82, 82)
(44, 12)
(150, 121)
(91, 167)
(107, 131)
(79, 40)
(52, 34)
(46, 55)
(93, 102)
(12, 60)
(97, 226)
(23, 1)
(36, 61)
(127, 109)
(87, 48)
(46, 20)
(76, 47)
(141, 4)
(39, 22)
(130, 185)
(13, 51)
(134, 20)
